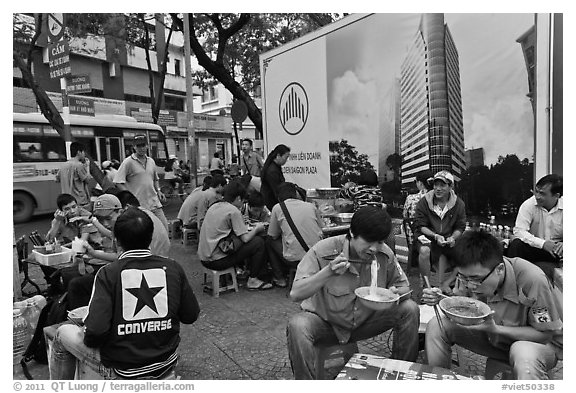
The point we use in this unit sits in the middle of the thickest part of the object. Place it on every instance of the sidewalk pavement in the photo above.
(243, 335)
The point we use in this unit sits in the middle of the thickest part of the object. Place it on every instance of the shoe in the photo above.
(255, 283)
(281, 283)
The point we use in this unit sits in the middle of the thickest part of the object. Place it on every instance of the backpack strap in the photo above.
(293, 227)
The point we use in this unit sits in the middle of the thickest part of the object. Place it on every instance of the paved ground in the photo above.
(242, 335)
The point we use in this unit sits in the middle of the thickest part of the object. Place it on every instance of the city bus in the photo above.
(39, 151)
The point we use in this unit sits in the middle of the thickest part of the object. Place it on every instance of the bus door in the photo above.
(109, 148)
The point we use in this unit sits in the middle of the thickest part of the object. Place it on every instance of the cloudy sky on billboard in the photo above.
(364, 59)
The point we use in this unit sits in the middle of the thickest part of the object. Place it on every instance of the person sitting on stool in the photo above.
(538, 229)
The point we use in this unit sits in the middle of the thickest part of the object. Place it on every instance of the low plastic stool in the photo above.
(333, 352)
(174, 228)
(188, 235)
(214, 284)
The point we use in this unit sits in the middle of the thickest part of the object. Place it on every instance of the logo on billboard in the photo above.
(293, 108)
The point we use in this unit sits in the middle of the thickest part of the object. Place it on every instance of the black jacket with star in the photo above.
(136, 308)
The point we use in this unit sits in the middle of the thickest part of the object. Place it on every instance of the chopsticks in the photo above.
(332, 257)
(435, 306)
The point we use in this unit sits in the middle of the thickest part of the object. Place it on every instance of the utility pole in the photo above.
(190, 100)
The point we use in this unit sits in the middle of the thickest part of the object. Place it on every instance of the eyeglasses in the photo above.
(475, 281)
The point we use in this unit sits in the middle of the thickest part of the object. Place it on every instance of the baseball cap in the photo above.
(107, 201)
(140, 139)
(445, 176)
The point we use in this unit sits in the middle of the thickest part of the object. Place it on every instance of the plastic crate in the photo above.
(57, 258)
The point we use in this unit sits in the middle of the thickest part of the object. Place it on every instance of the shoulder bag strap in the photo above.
(246, 165)
(293, 227)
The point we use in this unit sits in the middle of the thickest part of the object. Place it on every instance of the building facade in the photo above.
(474, 157)
(431, 120)
(119, 81)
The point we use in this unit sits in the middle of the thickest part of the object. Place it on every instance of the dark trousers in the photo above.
(539, 257)
(80, 290)
(254, 251)
(278, 264)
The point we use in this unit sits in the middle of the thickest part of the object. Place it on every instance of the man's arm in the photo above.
(100, 313)
(459, 226)
(522, 226)
(308, 286)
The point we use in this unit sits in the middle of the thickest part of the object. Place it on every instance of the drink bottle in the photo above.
(20, 336)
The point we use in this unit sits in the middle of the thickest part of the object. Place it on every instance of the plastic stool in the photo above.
(332, 352)
(188, 235)
(214, 285)
(174, 229)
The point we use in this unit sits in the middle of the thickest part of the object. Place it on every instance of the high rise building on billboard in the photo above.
(431, 126)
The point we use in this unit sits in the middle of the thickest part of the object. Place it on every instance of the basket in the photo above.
(342, 218)
(57, 258)
(328, 192)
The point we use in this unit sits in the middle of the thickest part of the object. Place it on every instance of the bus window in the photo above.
(90, 145)
(29, 151)
(54, 148)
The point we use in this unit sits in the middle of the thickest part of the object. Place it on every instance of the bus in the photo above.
(39, 151)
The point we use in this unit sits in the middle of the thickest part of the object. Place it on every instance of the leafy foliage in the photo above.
(346, 163)
(506, 183)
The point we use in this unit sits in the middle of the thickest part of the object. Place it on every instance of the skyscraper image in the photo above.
(431, 125)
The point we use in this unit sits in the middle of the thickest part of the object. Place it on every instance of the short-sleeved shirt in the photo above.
(160, 244)
(253, 164)
(62, 229)
(139, 180)
(221, 218)
(306, 218)
(526, 298)
(189, 209)
(205, 200)
(249, 215)
(74, 179)
(336, 302)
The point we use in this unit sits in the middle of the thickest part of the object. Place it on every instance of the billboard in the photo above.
(380, 89)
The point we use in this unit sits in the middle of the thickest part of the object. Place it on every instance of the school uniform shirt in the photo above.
(534, 224)
(135, 311)
(139, 179)
(61, 228)
(205, 200)
(189, 210)
(160, 244)
(307, 220)
(336, 301)
(526, 298)
(221, 218)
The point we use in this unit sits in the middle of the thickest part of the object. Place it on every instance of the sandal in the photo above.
(255, 284)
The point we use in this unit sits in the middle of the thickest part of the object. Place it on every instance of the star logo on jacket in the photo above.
(144, 294)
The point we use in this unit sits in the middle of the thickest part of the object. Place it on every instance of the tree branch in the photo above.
(149, 65)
